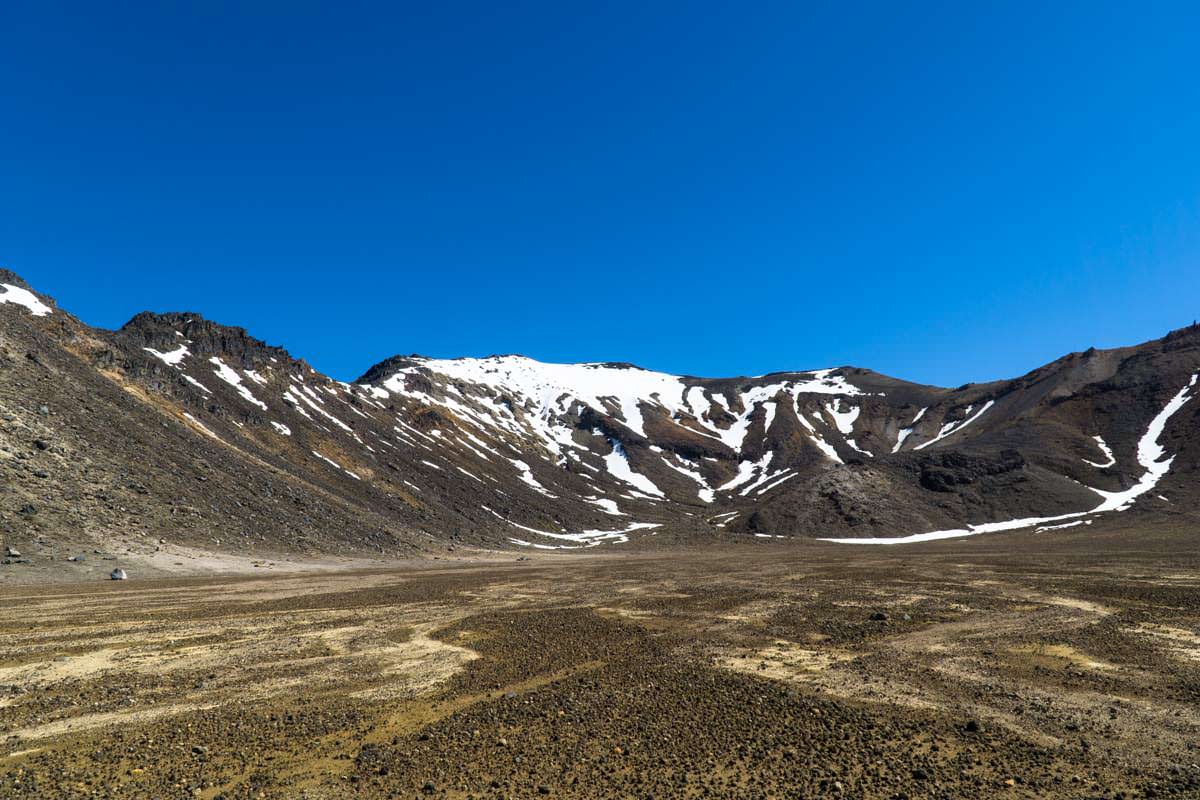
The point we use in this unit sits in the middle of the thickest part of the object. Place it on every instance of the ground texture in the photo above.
(1042, 666)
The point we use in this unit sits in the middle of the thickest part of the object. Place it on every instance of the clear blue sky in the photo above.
(943, 192)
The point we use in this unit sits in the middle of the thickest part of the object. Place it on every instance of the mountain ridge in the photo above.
(422, 453)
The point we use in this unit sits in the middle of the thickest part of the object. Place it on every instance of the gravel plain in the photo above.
(1023, 667)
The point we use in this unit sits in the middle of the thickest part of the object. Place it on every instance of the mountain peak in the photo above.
(167, 330)
(13, 279)
(388, 367)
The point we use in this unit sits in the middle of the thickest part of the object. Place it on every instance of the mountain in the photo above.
(177, 428)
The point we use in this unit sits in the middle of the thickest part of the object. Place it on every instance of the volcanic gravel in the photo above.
(757, 672)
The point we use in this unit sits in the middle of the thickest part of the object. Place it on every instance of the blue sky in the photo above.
(943, 192)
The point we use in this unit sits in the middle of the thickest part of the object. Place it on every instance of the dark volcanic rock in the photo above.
(942, 472)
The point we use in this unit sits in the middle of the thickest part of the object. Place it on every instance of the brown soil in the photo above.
(1054, 667)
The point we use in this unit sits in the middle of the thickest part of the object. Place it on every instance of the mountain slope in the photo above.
(177, 428)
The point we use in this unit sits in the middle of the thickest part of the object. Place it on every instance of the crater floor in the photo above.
(1023, 665)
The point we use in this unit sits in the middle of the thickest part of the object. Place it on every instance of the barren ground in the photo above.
(1021, 666)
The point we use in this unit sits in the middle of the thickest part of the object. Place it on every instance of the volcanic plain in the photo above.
(1059, 664)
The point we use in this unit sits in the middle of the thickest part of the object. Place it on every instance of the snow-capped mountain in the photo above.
(224, 437)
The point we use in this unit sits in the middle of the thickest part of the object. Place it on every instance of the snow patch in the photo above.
(826, 448)
(746, 470)
(588, 538)
(618, 466)
(231, 377)
(1063, 525)
(527, 477)
(1108, 454)
(201, 426)
(765, 478)
(23, 297)
(606, 505)
(854, 446)
(309, 398)
(469, 474)
(691, 470)
(1149, 456)
(197, 384)
(171, 357)
(954, 427)
(906, 432)
(818, 439)
(784, 479)
(335, 465)
(844, 420)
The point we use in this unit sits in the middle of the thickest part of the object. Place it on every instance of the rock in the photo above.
(77, 559)
(12, 552)
(879, 616)
(429, 788)
(41, 444)
(972, 726)
(118, 574)
(28, 509)
(44, 410)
